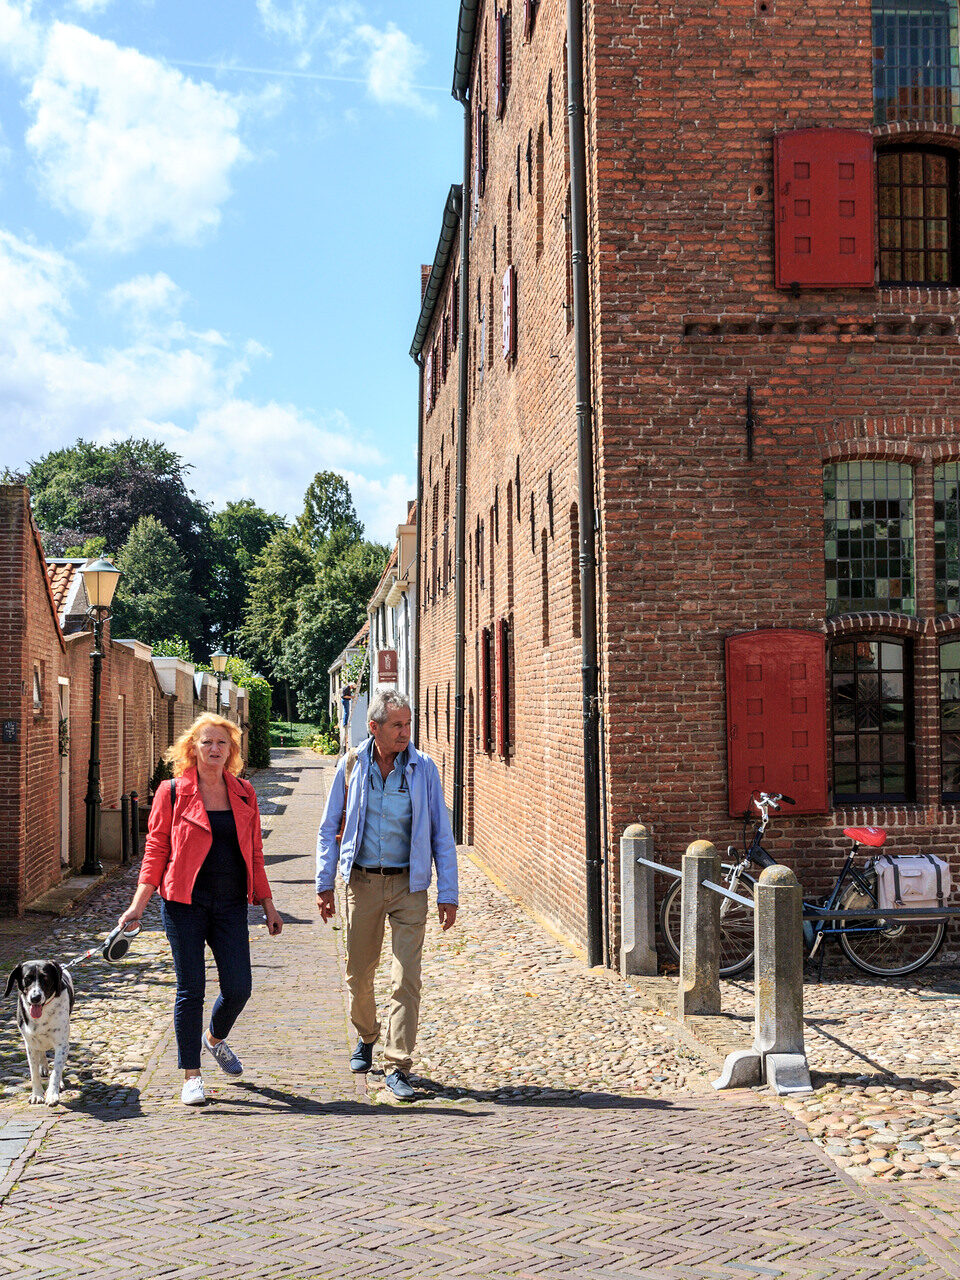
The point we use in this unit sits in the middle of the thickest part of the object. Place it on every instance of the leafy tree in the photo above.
(154, 597)
(173, 647)
(327, 509)
(240, 532)
(101, 491)
(282, 568)
(90, 549)
(329, 612)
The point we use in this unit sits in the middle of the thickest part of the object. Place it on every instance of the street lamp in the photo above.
(219, 662)
(100, 579)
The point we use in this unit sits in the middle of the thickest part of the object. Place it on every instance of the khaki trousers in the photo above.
(371, 901)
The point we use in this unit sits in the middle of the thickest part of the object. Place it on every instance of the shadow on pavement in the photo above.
(263, 1098)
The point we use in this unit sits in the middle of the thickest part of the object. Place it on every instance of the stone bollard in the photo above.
(778, 1053)
(638, 951)
(134, 825)
(699, 931)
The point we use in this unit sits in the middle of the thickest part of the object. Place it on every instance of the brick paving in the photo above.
(295, 1172)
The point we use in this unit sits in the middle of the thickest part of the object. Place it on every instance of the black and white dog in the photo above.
(43, 1016)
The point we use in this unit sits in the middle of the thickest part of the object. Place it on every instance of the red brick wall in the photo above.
(30, 639)
(696, 541)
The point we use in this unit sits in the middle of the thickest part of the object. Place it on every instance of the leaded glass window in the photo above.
(946, 536)
(915, 71)
(868, 536)
(950, 719)
(872, 713)
(915, 196)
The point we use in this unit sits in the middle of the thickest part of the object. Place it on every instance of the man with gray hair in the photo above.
(386, 826)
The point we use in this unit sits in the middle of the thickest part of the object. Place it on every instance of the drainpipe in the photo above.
(586, 488)
(460, 505)
(415, 689)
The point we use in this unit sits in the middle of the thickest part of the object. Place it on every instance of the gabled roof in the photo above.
(389, 570)
(66, 584)
(445, 247)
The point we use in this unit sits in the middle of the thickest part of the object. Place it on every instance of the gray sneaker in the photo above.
(223, 1055)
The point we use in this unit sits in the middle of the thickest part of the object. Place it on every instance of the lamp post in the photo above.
(100, 579)
(219, 662)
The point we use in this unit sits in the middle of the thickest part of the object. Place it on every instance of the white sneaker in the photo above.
(192, 1095)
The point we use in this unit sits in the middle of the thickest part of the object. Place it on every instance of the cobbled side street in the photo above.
(564, 1123)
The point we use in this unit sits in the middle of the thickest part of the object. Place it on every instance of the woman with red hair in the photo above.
(204, 853)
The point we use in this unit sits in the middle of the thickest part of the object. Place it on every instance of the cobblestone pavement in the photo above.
(562, 1127)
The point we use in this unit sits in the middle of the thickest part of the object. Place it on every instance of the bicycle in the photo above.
(887, 949)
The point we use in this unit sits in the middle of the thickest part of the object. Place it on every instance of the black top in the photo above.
(222, 878)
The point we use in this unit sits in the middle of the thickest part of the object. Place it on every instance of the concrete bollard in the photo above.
(699, 932)
(638, 951)
(778, 1054)
(124, 830)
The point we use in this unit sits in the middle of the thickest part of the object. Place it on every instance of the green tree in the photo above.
(283, 567)
(329, 613)
(154, 597)
(327, 509)
(101, 491)
(240, 532)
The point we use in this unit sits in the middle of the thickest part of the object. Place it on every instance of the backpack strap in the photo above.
(897, 891)
(348, 768)
(173, 793)
(935, 863)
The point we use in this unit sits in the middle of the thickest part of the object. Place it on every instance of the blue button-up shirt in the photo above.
(389, 819)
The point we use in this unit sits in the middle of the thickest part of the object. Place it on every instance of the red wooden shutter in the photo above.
(455, 313)
(510, 313)
(500, 44)
(428, 382)
(824, 208)
(503, 687)
(529, 16)
(776, 718)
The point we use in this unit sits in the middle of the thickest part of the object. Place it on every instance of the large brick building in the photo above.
(46, 677)
(700, 285)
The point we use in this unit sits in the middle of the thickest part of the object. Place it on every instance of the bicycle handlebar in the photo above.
(764, 801)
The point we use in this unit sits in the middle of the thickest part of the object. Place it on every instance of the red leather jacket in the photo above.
(177, 842)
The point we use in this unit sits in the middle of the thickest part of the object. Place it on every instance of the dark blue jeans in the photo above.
(189, 928)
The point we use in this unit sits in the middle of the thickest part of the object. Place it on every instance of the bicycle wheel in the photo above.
(888, 950)
(736, 931)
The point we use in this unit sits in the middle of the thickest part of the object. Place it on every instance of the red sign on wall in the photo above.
(387, 666)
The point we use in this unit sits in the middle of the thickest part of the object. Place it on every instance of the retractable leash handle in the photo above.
(118, 942)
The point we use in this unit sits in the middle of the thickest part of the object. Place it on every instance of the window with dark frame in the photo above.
(868, 536)
(915, 65)
(917, 214)
(946, 536)
(872, 720)
(950, 720)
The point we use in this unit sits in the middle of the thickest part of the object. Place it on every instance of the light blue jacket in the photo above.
(431, 840)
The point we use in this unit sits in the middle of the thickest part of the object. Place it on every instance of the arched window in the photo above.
(917, 212)
(868, 536)
(872, 719)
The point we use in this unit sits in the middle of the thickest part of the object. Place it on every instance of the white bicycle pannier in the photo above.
(920, 880)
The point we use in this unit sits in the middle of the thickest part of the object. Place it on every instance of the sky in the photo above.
(212, 220)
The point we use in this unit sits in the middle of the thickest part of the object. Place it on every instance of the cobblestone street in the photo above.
(565, 1126)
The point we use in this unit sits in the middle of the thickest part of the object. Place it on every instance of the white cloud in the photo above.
(180, 387)
(145, 297)
(392, 65)
(21, 36)
(388, 60)
(134, 148)
(92, 6)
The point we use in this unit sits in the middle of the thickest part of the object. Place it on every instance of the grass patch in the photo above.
(284, 733)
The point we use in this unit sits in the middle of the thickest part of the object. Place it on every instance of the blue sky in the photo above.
(212, 220)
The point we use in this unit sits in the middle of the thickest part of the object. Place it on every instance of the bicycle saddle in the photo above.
(872, 836)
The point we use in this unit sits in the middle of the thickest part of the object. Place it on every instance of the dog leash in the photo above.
(115, 947)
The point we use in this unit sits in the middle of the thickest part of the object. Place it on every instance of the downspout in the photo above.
(415, 690)
(460, 505)
(586, 489)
